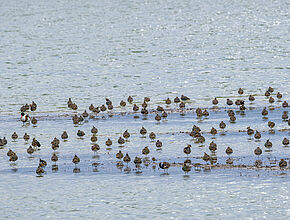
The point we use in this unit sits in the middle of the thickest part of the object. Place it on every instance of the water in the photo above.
(89, 50)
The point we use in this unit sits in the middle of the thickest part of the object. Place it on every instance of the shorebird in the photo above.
(271, 100)
(164, 165)
(229, 151)
(127, 158)
(10, 153)
(250, 131)
(212, 146)
(285, 141)
(229, 102)
(30, 150)
(285, 104)
(152, 135)
(241, 91)
(39, 171)
(186, 168)
(182, 105)
(258, 151)
(264, 112)
(268, 144)
(135, 108)
(121, 141)
(130, 99)
(282, 164)
(95, 148)
(251, 98)
(55, 141)
(42, 163)
(33, 121)
(145, 151)
(206, 157)
(215, 101)
(270, 89)
(176, 100)
(119, 155)
(158, 144)
(257, 135)
(103, 108)
(64, 135)
(76, 160)
(122, 103)
(108, 142)
(213, 131)
(80, 133)
(168, 101)
(143, 131)
(164, 114)
(279, 95)
(187, 150)
(26, 137)
(91, 107)
(54, 158)
(24, 117)
(184, 98)
(285, 115)
(85, 114)
(94, 130)
(14, 136)
(126, 134)
(222, 125)
(146, 99)
(271, 124)
(94, 139)
(157, 117)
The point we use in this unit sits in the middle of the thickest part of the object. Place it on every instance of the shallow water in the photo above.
(89, 50)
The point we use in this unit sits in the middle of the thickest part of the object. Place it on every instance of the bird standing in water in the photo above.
(25, 118)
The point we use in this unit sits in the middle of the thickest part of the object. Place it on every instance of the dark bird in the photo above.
(94, 139)
(130, 99)
(108, 142)
(143, 131)
(282, 164)
(250, 131)
(85, 114)
(187, 150)
(176, 100)
(127, 158)
(229, 102)
(152, 135)
(121, 140)
(54, 158)
(251, 98)
(126, 134)
(164, 165)
(76, 160)
(42, 163)
(184, 98)
(122, 103)
(30, 150)
(80, 133)
(157, 117)
(241, 91)
(285, 115)
(64, 135)
(206, 157)
(95, 148)
(229, 151)
(215, 101)
(285, 141)
(279, 95)
(264, 112)
(222, 125)
(33, 121)
(285, 104)
(24, 117)
(119, 155)
(168, 101)
(14, 136)
(268, 144)
(39, 171)
(257, 135)
(135, 108)
(158, 144)
(94, 130)
(26, 137)
(145, 151)
(271, 124)
(271, 100)
(212, 146)
(213, 131)
(258, 151)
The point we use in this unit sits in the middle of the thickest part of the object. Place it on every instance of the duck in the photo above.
(127, 158)
(158, 143)
(164, 114)
(94, 138)
(85, 114)
(69, 103)
(285, 115)
(257, 135)
(251, 98)
(157, 117)
(10, 153)
(184, 98)
(205, 113)
(186, 168)
(30, 150)
(146, 99)
(159, 108)
(279, 95)
(271, 124)
(74, 107)
(241, 91)
(39, 171)
(54, 158)
(250, 131)
(119, 155)
(35, 143)
(103, 108)
(137, 161)
(144, 104)
(42, 163)
(206, 157)
(55, 141)
(91, 107)
(94, 130)
(152, 135)
(264, 112)
(182, 105)
(176, 100)
(33, 121)
(270, 89)
(232, 118)
(267, 93)
(13, 157)
(229, 102)
(285, 104)
(222, 125)
(212, 146)
(213, 131)
(282, 164)
(271, 100)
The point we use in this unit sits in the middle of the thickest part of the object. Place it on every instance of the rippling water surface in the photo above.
(90, 50)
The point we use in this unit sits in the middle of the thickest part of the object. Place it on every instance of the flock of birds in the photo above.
(160, 112)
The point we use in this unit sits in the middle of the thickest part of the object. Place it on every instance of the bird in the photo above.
(122, 103)
(130, 99)
(94, 139)
(127, 158)
(146, 99)
(80, 133)
(251, 98)
(126, 134)
(95, 148)
(10, 153)
(164, 165)
(24, 117)
(229, 151)
(258, 151)
(250, 131)
(39, 171)
(206, 157)
(285, 141)
(184, 98)
(76, 160)
(229, 102)
(108, 142)
(159, 108)
(152, 135)
(268, 144)
(285, 104)
(271, 100)
(54, 158)
(270, 89)
(279, 95)
(121, 140)
(187, 150)
(285, 115)
(144, 104)
(241, 91)
(282, 164)
(271, 124)
(119, 155)
(158, 144)
(85, 114)
(164, 114)
(42, 163)
(205, 113)
(143, 131)
(167, 101)
(135, 108)
(26, 137)
(157, 117)
(186, 168)
(94, 130)
(215, 101)
(212, 146)
(257, 135)
(103, 108)
(213, 131)
(35, 143)
(145, 151)
(64, 135)
(222, 125)
(14, 136)
(176, 100)
(55, 141)
(33, 121)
